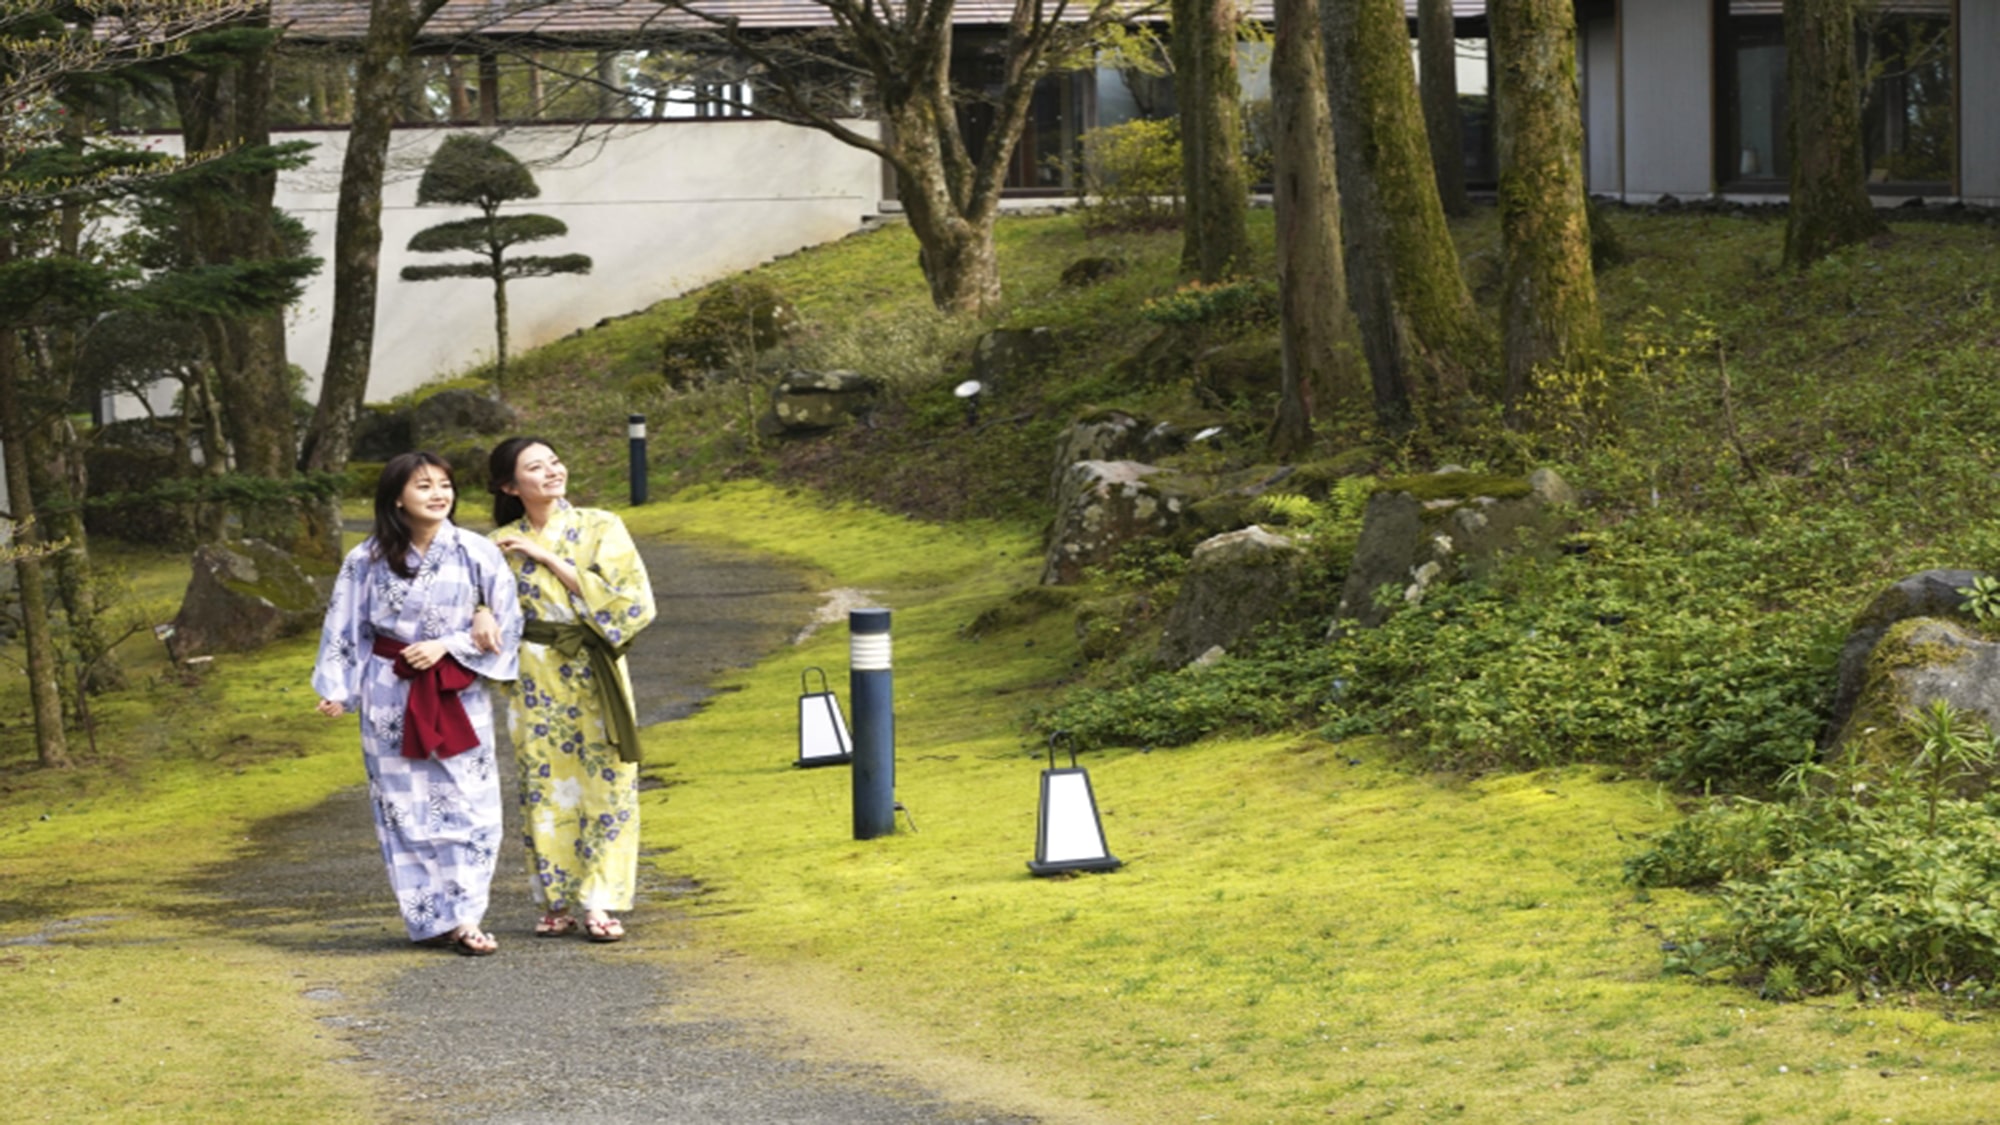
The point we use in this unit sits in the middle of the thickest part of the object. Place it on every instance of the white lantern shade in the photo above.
(1068, 834)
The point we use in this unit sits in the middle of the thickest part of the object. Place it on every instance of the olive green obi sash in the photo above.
(619, 724)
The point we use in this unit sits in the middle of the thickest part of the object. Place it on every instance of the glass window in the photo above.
(1906, 119)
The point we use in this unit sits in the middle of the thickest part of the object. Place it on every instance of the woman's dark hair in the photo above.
(500, 473)
(392, 530)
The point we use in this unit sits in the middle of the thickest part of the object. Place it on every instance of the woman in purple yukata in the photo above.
(398, 647)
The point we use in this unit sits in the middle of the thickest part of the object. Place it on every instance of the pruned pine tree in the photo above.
(50, 170)
(1419, 330)
(1548, 303)
(1215, 242)
(469, 171)
(1314, 322)
(1830, 206)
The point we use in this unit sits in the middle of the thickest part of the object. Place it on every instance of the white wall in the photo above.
(661, 207)
(1979, 102)
(1667, 91)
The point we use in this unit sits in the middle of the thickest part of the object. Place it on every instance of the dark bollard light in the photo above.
(869, 683)
(635, 435)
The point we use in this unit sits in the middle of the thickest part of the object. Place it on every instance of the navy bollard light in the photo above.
(635, 434)
(869, 690)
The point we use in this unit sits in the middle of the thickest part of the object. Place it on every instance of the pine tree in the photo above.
(470, 171)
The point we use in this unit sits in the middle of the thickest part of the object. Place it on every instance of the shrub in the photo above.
(1888, 884)
(733, 324)
(1131, 177)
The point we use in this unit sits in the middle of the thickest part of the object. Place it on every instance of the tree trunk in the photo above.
(1548, 295)
(1830, 206)
(357, 246)
(230, 107)
(1183, 51)
(1419, 330)
(1312, 293)
(44, 670)
(56, 474)
(1217, 235)
(1437, 46)
(500, 336)
(954, 231)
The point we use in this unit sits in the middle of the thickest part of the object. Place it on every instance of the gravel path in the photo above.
(478, 1040)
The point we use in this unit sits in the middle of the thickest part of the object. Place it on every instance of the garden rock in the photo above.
(1929, 593)
(808, 403)
(1244, 371)
(1916, 662)
(1103, 505)
(1235, 582)
(457, 412)
(381, 432)
(1419, 531)
(243, 595)
(1109, 436)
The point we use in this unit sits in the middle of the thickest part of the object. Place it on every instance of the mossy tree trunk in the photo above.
(1830, 206)
(1548, 304)
(1216, 238)
(1437, 74)
(357, 245)
(44, 670)
(228, 107)
(1312, 291)
(1419, 330)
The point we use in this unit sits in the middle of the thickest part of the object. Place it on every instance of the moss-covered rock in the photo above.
(1235, 582)
(1421, 530)
(1929, 593)
(243, 595)
(1918, 661)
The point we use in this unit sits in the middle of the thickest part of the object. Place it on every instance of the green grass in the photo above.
(1304, 930)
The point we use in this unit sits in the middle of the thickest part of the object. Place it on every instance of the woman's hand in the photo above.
(423, 654)
(519, 544)
(331, 708)
(485, 630)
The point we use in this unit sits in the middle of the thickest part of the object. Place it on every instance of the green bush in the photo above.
(1131, 177)
(1885, 884)
(733, 324)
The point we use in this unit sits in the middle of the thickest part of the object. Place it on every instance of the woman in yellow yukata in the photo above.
(584, 595)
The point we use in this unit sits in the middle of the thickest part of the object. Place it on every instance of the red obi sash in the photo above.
(435, 724)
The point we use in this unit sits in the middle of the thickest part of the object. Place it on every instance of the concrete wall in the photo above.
(661, 207)
(1979, 102)
(1668, 96)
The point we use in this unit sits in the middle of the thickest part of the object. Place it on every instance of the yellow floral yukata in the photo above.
(579, 802)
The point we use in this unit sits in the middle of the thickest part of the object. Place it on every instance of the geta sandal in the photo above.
(604, 929)
(556, 924)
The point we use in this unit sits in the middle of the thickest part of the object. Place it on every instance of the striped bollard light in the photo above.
(635, 440)
(869, 691)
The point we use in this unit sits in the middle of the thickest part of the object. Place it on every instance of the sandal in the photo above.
(466, 941)
(556, 923)
(604, 929)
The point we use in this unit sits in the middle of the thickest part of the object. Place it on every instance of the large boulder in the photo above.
(1235, 582)
(457, 412)
(1419, 531)
(808, 403)
(1929, 593)
(1916, 662)
(1110, 435)
(381, 432)
(1103, 505)
(243, 595)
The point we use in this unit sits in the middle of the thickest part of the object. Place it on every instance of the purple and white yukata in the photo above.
(438, 819)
